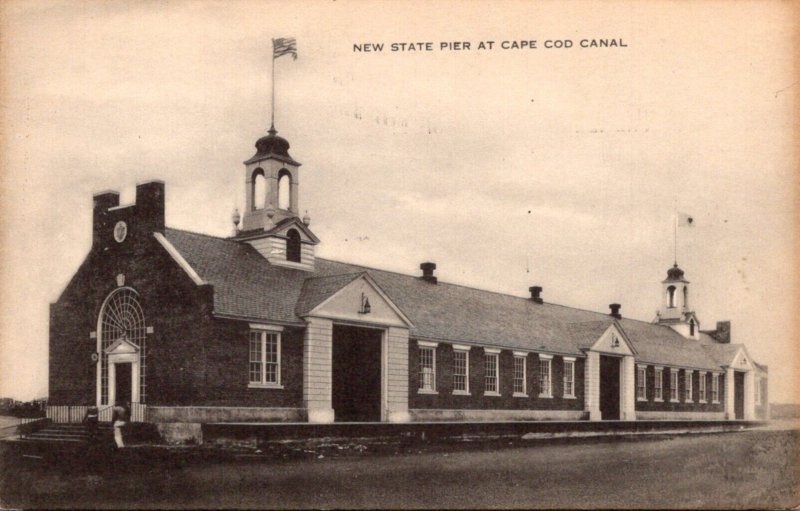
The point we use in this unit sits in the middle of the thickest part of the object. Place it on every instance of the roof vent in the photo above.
(427, 272)
(535, 292)
(615, 307)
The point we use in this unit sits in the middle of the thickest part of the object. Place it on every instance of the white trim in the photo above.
(493, 351)
(460, 347)
(521, 354)
(545, 356)
(271, 328)
(644, 366)
(433, 389)
(524, 359)
(427, 344)
(569, 359)
(465, 391)
(549, 360)
(496, 356)
(264, 386)
(92, 335)
(375, 287)
(178, 258)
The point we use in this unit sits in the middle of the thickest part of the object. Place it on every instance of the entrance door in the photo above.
(738, 394)
(356, 374)
(609, 387)
(122, 385)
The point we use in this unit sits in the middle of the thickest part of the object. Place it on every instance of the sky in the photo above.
(559, 167)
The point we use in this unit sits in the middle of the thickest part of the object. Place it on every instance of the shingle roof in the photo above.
(316, 290)
(246, 285)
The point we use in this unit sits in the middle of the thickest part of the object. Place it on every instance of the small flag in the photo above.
(284, 46)
(685, 220)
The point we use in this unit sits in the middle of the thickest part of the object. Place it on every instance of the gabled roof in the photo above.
(318, 289)
(247, 286)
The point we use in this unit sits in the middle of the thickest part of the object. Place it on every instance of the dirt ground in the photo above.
(748, 469)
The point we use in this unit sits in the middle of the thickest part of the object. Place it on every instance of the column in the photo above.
(591, 385)
(749, 396)
(396, 370)
(317, 370)
(627, 389)
(730, 407)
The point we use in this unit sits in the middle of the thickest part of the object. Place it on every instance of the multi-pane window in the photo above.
(641, 383)
(427, 369)
(658, 385)
(265, 356)
(688, 387)
(460, 371)
(715, 388)
(701, 388)
(545, 387)
(569, 378)
(673, 384)
(519, 374)
(492, 373)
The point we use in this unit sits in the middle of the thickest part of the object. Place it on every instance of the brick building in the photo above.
(193, 328)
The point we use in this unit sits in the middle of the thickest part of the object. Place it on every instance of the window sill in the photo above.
(570, 397)
(641, 399)
(714, 402)
(461, 393)
(658, 400)
(702, 401)
(264, 386)
(426, 391)
(546, 396)
(520, 394)
(494, 394)
(674, 401)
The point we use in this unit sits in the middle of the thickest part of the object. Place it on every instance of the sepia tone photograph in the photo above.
(398, 255)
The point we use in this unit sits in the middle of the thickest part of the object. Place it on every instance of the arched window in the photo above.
(691, 326)
(293, 246)
(259, 190)
(121, 317)
(671, 297)
(284, 189)
(685, 297)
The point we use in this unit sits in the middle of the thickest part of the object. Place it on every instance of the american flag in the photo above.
(284, 46)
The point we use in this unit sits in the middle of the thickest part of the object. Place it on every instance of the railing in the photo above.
(75, 413)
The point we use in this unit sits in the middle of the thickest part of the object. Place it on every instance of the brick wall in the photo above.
(651, 405)
(445, 399)
(178, 310)
(228, 356)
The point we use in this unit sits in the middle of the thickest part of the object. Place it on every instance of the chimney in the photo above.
(723, 332)
(615, 307)
(100, 222)
(535, 292)
(427, 272)
(150, 205)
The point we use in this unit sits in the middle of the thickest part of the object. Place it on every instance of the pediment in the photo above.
(122, 347)
(281, 230)
(742, 361)
(614, 341)
(360, 300)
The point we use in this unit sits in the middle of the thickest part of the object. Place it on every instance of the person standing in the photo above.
(119, 418)
(90, 421)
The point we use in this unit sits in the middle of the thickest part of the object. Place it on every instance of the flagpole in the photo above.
(272, 121)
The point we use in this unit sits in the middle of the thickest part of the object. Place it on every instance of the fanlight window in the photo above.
(122, 318)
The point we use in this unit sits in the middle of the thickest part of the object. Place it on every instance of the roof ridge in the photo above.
(440, 282)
